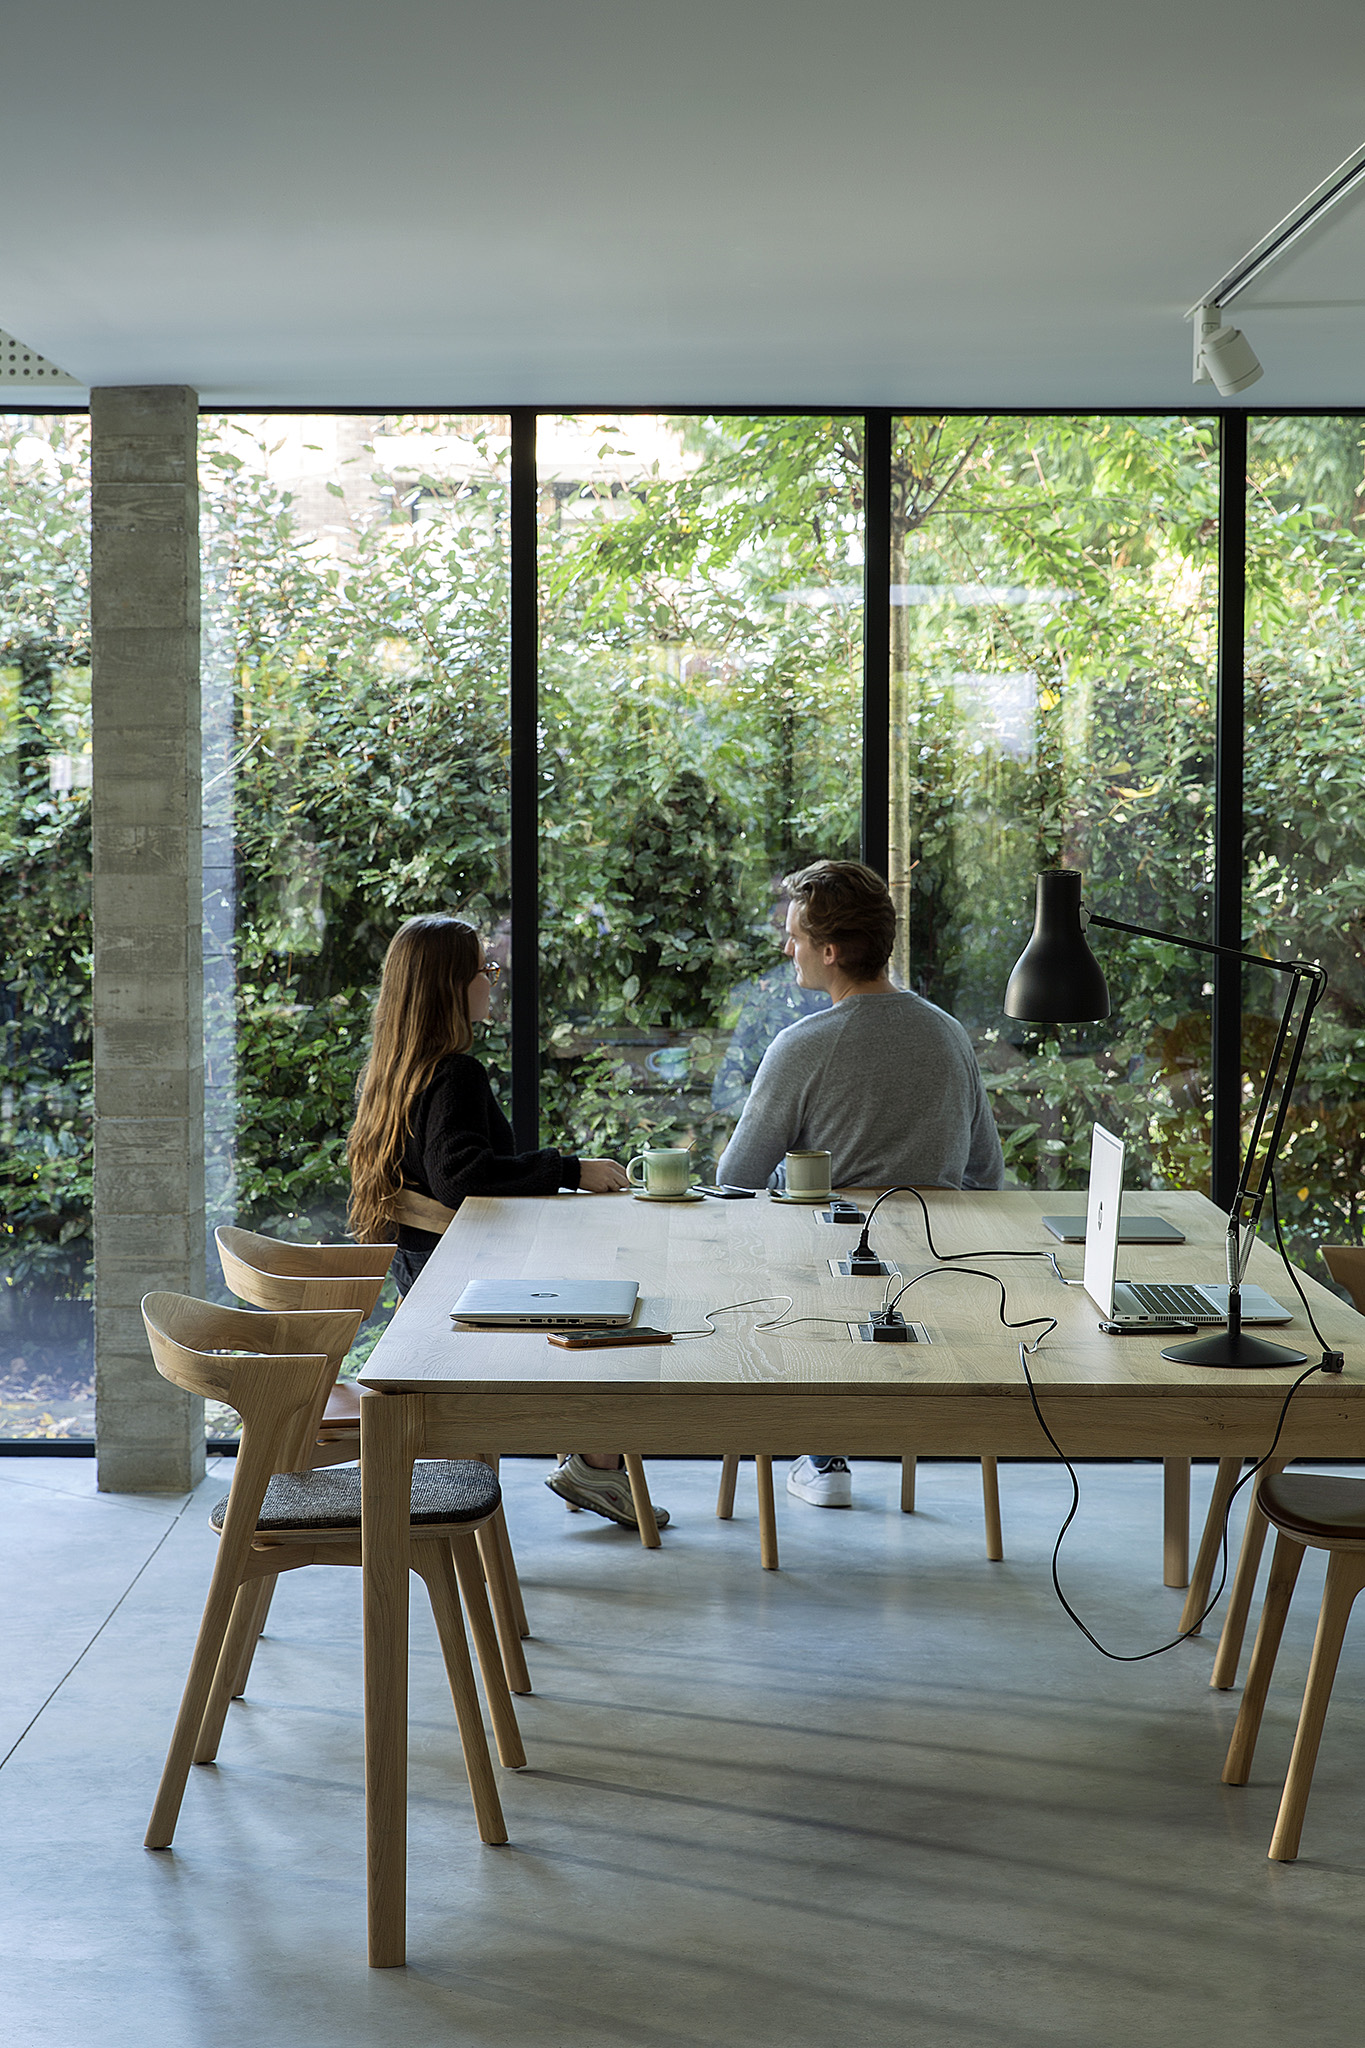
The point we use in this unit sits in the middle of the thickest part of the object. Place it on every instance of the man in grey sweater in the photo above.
(885, 1082)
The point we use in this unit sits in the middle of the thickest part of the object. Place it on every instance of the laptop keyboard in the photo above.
(1168, 1298)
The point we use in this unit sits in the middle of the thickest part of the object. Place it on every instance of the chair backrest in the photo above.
(1346, 1264)
(273, 1274)
(420, 1212)
(276, 1370)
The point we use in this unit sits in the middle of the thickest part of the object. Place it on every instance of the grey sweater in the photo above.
(888, 1084)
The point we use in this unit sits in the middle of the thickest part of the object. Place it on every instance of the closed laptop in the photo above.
(547, 1304)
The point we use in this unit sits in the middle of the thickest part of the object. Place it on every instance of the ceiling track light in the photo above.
(1222, 355)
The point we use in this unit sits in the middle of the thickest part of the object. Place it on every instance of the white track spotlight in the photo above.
(1222, 355)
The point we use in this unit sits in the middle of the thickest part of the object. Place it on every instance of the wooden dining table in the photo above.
(435, 1390)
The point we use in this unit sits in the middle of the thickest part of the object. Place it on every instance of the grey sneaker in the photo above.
(604, 1493)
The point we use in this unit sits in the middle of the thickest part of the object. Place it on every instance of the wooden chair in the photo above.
(272, 1273)
(767, 1505)
(1309, 1512)
(1346, 1264)
(276, 1370)
(420, 1212)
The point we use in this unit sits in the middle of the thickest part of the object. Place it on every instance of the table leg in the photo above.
(387, 1432)
(907, 1482)
(1177, 1522)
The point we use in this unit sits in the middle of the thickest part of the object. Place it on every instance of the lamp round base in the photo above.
(1242, 1351)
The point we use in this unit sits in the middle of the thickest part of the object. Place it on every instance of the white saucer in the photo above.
(809, 1201)
(640, 1196)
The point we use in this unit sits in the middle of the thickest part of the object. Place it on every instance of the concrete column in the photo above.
(148, 992)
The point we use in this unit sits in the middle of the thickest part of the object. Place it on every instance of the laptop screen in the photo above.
(1102, 1208)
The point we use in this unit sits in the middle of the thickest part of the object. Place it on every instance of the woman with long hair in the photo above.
(427, 1119)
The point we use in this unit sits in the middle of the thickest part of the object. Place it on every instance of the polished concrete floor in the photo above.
(888, 1795)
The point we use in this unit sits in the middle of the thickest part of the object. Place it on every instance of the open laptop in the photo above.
(547, 1304)
(1144, 1304)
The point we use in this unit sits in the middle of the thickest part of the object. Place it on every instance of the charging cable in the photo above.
(1140, 1656)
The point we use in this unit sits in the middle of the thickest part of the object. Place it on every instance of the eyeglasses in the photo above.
(493, 969)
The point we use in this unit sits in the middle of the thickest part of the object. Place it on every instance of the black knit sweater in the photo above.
(460, 1143)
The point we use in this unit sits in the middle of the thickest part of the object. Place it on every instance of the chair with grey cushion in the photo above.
(1308, 1512)
(274, 1273)
(281, 1514)
(1346, 1264)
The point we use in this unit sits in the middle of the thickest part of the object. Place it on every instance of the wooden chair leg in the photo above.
(509, 1566)
(1210, 1543)
(725, 1498)
(990, 1493)
(1176, 1521)
(644, 1506)
(509, 1635)
(469, 1572)
(1229, 1650)
(1284, 1572)
(767, 1512)
(213, 1628)
(908, 1463)
(264, 1591)
(1345, 1577)
(433, 1560)
(243, 1633)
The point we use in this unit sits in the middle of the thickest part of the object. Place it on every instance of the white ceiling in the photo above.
(489, 202)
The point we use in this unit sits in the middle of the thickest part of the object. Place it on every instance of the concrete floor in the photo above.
(886, 1796)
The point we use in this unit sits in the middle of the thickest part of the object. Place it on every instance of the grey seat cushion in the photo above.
(443, 1490)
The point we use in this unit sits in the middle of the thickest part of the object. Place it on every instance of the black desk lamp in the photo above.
(1057, 980)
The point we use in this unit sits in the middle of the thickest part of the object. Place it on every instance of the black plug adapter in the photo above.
(1333, 1361)
(862, 1259)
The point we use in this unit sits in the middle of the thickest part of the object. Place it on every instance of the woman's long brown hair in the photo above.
(422, 1014)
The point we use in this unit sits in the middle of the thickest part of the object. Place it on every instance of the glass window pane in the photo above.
(1054, 646)
(46, 1335)
(1305, 825)
(701, 678)
(355, 723)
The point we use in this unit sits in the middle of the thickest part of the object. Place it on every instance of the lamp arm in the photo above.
(1251, 1192)
(1142, 931)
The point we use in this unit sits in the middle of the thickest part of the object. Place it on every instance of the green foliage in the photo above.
(1053, 645)
(45, 1105)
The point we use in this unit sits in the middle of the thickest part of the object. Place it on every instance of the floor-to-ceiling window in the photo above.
(1304, 837)
(701, 605)
(46, 1348)
(355, 721)
(1053, 677)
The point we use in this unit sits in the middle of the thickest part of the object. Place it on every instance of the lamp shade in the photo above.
(1057, 979)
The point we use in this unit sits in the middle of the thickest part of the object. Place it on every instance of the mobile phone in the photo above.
(598, 1340)
(1148, 1329)
(728, 1194)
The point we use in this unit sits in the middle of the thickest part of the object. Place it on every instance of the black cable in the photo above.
(1327, 1351)
(975, 1273)
(1140, 1656)
(863, 1248)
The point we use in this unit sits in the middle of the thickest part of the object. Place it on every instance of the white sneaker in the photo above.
(832, 1488)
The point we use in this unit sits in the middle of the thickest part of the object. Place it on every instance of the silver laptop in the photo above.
(1139, 1304)
(547, 1304)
